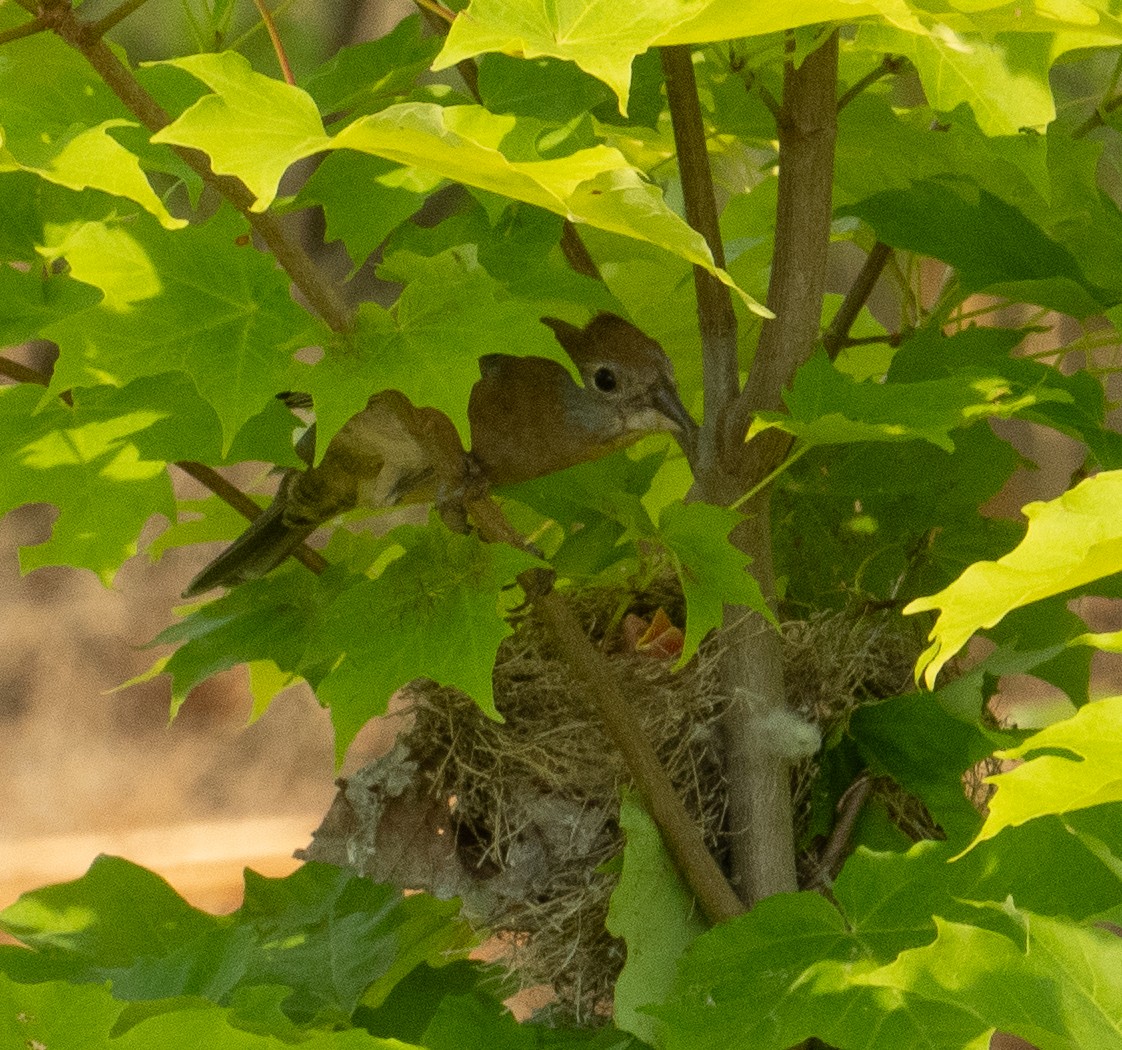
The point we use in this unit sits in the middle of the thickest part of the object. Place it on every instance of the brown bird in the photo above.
(529, 417)
(391, 452)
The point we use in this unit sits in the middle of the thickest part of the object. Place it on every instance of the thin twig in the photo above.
(752, 81)
(36, 25)
(237, 43)
(278, 44)
(889, 66)
(437, 9)
(837, 847)
(837, 335)
(232, 495)
(118, 14)
(208, 476)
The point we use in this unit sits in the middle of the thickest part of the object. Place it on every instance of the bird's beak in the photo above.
(669, 405)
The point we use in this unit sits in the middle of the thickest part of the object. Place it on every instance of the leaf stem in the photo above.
(763, 483)
(837, 335)
(278, 44)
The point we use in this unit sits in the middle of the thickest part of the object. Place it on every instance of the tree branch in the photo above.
(320, 293)
(763, 846)
(807, 133)
(592, 671)
(837, 335)
(680, 833)
(714, 302)
(208, 476)
(118, 14)
(36, 25)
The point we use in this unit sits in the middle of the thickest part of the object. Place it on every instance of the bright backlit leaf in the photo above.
(1070, 541)
(1067, 766)
(253, 126)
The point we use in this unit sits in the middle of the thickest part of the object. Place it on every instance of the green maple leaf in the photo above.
(434, 613)
(89, 466)
(1068, 766)
(827, 407)
(1070, 541)
(713, 572)
(219, 312)
(29, 302)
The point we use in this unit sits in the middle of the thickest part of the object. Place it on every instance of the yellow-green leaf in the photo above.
(93, 159)
(1067, 766)
(253, 126)
(1070, 541)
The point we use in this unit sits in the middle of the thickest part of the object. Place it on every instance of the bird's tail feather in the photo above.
(258, 550)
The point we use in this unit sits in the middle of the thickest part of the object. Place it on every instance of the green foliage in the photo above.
(176, 330)
(1071, 541)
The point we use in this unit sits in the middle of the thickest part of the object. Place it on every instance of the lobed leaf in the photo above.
(1067, 766)
(1070, 541)
(655, 915)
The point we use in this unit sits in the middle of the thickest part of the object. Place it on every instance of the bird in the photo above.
(527, 417)
(389, 453)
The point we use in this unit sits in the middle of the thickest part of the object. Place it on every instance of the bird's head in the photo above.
(628, 379)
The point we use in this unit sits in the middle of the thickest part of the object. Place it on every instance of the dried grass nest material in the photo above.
(520, 819)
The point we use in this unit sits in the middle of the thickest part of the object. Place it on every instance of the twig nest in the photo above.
(520, 819)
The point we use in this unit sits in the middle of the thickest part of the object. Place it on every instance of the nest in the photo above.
(520, 819)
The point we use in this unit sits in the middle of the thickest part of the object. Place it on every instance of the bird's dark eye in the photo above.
(604, 380)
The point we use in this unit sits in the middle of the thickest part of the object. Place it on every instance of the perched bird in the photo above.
(391, 452)
(529, 417)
